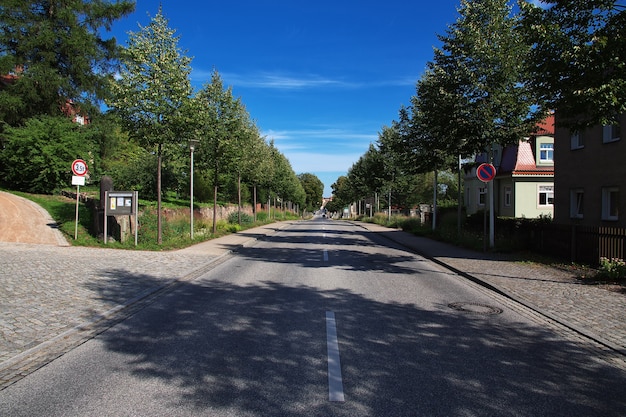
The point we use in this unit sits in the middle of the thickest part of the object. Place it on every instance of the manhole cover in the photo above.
(475, 308)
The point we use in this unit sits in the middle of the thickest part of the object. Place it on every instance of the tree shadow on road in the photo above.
(261, 350)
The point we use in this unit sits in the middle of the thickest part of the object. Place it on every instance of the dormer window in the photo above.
(546, 153)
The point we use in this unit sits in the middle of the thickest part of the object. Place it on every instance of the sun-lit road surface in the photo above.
(326, 319)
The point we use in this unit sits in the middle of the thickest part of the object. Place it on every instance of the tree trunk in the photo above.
(254, 210)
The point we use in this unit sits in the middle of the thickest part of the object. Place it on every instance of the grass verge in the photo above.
(175, 229)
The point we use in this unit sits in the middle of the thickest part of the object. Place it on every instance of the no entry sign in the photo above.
(79, 167)
(486, 172)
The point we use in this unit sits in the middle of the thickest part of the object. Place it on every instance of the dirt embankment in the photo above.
(22, 221)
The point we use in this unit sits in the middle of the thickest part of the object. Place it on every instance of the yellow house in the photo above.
(524, 182)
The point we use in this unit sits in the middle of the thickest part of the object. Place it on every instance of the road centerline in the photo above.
(335, 382)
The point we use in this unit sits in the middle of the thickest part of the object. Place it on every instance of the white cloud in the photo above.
(325, 133)
(281, 81)
(284, 81)
(320, 162)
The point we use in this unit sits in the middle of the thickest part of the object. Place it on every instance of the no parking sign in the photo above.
(486, 172)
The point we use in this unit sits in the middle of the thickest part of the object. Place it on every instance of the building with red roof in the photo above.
(524, 183)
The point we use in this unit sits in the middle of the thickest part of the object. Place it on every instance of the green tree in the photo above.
(153, 93)
(577, 64)
(390, 149)
(364, 178)
(284, 184)
(313, 189)
(246, 150)
(37, 157)
(225, 131)
(260, 171)
(473, 95)
(55, 52)
(341, 195)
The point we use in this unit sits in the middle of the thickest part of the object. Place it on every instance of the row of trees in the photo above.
(154, 99)
(56, 63)
(495, 75)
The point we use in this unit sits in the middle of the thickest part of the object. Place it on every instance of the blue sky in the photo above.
(319, 78)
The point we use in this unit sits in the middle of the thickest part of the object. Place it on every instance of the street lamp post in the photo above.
(192, 144)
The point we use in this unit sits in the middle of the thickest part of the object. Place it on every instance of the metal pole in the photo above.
(76, 223)
(492, 206)
(458, 214)
(136, 209)
(434, 213)
(492, 215)
(106, 205)
(191, 176)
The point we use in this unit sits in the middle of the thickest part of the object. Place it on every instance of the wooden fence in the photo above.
(580, 244)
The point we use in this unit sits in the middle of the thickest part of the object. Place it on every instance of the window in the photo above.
(610, 203)
(546, 195)
(610, 133)
(508, 194)
(577, 140)
(482, 196)
(546, 152)
(577, 198)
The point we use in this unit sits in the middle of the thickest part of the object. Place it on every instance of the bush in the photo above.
(613, 269)
(233, 218)
(148, 227)
(412, 224)
(37, 157)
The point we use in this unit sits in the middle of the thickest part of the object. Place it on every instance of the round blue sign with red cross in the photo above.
(486, 172)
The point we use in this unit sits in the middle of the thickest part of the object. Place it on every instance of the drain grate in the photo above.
(475, 308)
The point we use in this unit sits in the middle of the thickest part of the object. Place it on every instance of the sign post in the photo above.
(486, 173)
(79, 168)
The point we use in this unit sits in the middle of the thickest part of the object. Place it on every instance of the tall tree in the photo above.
(260, 169)
(53, 51)
(314, 190)
(246, 143)
(153, 93)
(473, 95)
(224, 129)
(341, 195)
(284, 183)
(578, 60)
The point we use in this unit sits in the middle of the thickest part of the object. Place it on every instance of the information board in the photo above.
(120, 202)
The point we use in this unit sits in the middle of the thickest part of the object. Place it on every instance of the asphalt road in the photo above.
(321, 320)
